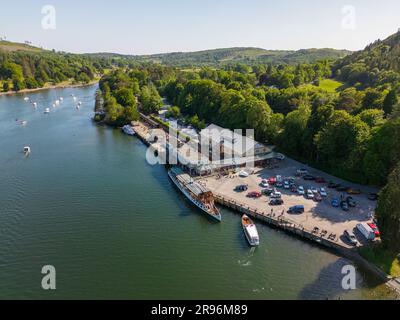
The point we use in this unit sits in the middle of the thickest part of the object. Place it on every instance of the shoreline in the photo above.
(59, 86)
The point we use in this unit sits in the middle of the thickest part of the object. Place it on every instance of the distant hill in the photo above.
(242, 55)
(14, 46)
(378, 63)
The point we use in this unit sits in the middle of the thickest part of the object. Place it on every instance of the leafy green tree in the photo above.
(390, 101)
(388, 212)
(372, 117)
(125, 97)
(173, 112)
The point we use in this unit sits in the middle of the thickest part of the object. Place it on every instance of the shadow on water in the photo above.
(328, 285)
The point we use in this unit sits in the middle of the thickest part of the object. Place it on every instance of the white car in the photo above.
(302, 171)
(323, 192)
(286, 185)
(279, 178)
(280, 157)
(310, 194)
(314, 190)
(264, 184)
(243, 174)
(276, 195)
(300, 190)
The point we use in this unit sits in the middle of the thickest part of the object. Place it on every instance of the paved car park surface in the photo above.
(321, 215)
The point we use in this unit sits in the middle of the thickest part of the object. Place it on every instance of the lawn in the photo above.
(330, 85)
(383, 259)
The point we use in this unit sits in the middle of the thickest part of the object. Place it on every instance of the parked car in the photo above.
(279, 178)
(314, 190)
(293, 188)
(300, 190)
(350, 201)
(241, 188)
(344, 206)
(322, 192)
(342, 188)
(286, 185)
(309, 177)
(353, 191)
(374, 227)
(272, 181)
(320, 180)
(243, 174)
(317, 197)
(276, 202)
(309, 194)
(254, 194)
(267, 191)
(280, 157)
(296, 209)
(373, 196)
(264, 184)
(366, 231)
(351, 237)
(276, 195)
(302, 171)
(333, 185)
(335, 203)
(279, 184)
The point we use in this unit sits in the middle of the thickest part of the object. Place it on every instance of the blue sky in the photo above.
(155, 26)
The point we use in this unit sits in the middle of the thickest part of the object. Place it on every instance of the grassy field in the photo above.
(12, 46)
(330, 85)
(384, 260)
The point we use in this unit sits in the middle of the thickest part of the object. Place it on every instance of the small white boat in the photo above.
(128, 130)
(79, 103)
(74, 98)
(57, 102)
(78, 107)
(27, 150)
(47, 110)
(250, 231)
(23, 123)
(61, 99)
(34, 104)
(26, 99)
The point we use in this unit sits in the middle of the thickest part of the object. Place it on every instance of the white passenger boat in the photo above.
(250, 231)
(128, 130)
(199, 195)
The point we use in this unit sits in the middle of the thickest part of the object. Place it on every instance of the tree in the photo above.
(173, 112)
(388, 212)
(125, 97)
(150, 99)
(372, 117)
(390, 101)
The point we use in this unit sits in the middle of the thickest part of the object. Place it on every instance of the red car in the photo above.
(254, 194)
(272, 181)
(320, 180)
(375, 228)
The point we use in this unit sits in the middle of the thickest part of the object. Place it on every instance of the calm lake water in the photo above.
(87, 202)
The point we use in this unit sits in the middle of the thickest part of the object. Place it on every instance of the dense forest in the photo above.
(24, 67)
(352, 131)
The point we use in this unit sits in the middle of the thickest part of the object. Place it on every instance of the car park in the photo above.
(296, 209)
(276, 202)
(254, 194)
(322, 192)
(300, 190)
(241, 188)
(350, 237)
(375, 228)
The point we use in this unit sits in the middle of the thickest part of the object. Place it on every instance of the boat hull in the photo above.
(196, 203)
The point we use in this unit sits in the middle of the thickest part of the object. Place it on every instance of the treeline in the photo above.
(29, 70)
